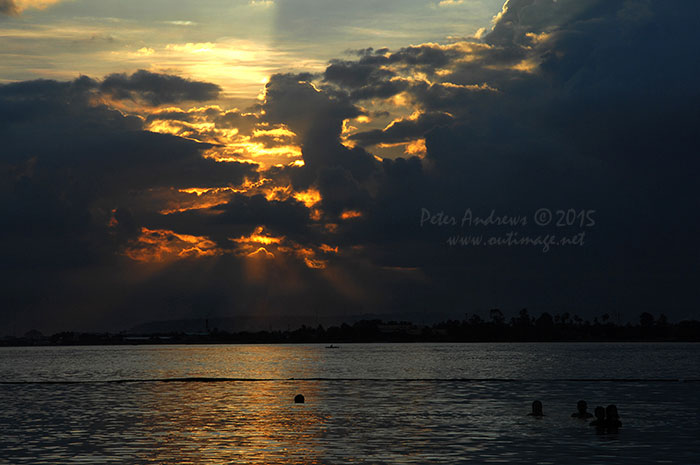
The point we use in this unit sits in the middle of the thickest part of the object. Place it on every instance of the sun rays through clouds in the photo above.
(274, 157)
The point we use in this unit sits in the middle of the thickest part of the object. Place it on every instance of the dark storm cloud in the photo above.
(353, 74)
(522, 17)
(157, 89)
(381, 89)
(425, 57)
(292, 99)
(462, 100)
(566, 104)
(69, 170)
(561, 106)
(241, 216)
(171, 115)
(63, 155)
(421, 57)
(244, 122)
(317, 118)
(75, 179)
(341, 190)
(403, 130)
(384, 75)
(380, 74)
(56, 123)
(8, 7)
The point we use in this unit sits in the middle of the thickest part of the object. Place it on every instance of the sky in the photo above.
(285, 161)
(237, 44)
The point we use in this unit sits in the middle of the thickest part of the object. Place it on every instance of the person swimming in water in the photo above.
(599, 421)
(582, 412)
(536, 409)
(612, 418)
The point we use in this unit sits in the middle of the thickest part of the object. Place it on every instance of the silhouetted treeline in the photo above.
(473, 328)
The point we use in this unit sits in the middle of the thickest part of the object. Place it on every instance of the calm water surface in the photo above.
(366, 403)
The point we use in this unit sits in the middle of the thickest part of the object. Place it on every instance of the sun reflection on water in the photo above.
(366, 403)
(237, 422)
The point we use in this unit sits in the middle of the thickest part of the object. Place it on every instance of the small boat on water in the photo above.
(332, 347)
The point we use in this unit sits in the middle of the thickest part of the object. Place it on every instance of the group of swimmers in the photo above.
(606, 419)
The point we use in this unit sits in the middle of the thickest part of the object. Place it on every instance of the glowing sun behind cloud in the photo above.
(18, 6)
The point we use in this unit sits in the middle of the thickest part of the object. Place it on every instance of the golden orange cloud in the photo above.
(328, 249)
(160, 245)
(203, 198)
(308, 255)
(198, 199)
(261, 245)
(262, 253)
(251, 141)
(350, 214)
(258, 237)
(21, 5)
(308, 197)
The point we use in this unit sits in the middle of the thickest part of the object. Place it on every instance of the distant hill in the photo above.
(255, 323)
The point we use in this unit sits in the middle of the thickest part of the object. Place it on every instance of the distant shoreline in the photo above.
(204, 343)
(472, 330)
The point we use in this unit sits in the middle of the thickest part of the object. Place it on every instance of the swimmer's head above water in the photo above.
(537, 409)
(581, 410)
